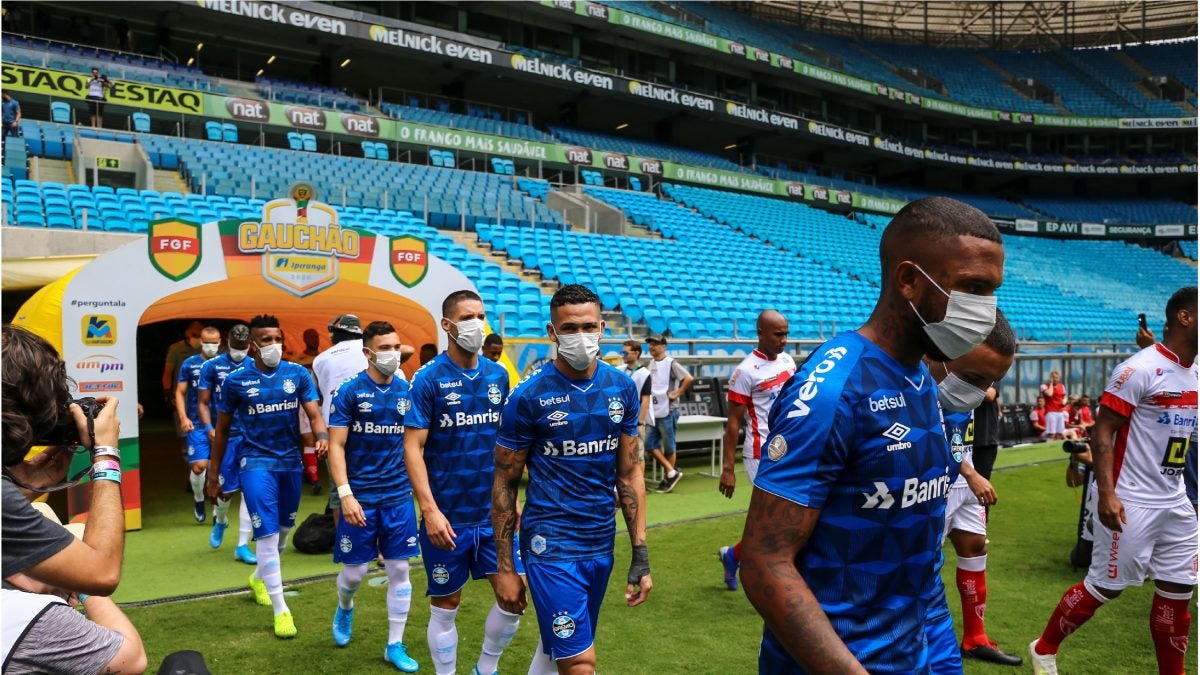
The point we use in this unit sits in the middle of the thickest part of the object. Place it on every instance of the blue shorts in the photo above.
(474, 554)
(391, 530)
(198, 446)
(229, 466)
(944, 655)
(661, 434)
(272, 498)
(567, 597)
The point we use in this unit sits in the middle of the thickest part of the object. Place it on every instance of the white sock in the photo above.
(244, 527)
(197, 480)
(399, 599)
(221, 511)
(348, 581)
(498, 632)
(268, 570)
(542, 664)
(443, 640)
(283, 535)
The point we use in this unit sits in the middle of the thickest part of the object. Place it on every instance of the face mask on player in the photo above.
(237, 355)
(271, 354)
(958, 395)
(470, 335)
(579, 349)
(386, 362)
(969, 319)
(209, 349)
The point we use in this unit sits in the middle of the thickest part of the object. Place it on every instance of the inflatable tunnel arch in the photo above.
(296, 262)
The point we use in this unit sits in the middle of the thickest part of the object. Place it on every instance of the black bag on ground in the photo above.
(315, 534)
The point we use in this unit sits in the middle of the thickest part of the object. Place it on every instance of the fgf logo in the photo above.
(99, 330)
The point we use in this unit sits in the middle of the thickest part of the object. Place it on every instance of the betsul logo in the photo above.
(174, 247)
(99, 330)
(100, 363)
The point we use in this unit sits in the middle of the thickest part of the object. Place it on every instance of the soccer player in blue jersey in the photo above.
(212, 376)
(574, 422)
(186, 389)
(844, 528)
(449, 447)
(962, 386)
(366, 460)
(267, 394)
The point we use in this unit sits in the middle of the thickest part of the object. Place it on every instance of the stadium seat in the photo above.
(295, 142)
(141, 122)
(310, 142)
(212, 130)
(368, 148)
(60, 112)
(229, 132)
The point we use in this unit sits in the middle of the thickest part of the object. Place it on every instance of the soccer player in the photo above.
(212, 377)
(266, 394)
(335, 365)
(366, 459)
(186, 388)
(574, 422)
(1145, 525)
(450, 449)
(962, 385)
(753, 388)
(493, 347)
(846, 516)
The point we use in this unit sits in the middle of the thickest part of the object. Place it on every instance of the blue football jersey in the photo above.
(212, 376)
(572, 430)
(461, 410)
(269, 406)
(960, 433)
(373, 415)
(860, 436)
(189, 371)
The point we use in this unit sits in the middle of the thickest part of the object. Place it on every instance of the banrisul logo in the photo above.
(174, 247)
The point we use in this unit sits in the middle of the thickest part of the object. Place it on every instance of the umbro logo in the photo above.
(556, 416)
(453, 397)
(365, 406)
(252, 391)
(897, 432)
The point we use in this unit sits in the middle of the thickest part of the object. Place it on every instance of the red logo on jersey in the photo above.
(1174, 399)
(1120, 381)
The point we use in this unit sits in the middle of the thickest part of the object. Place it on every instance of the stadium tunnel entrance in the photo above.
(123, 309)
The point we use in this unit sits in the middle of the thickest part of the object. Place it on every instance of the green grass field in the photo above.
(689, 624)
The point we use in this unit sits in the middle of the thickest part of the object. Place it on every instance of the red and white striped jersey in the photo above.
(1158, 394)
(755, 384)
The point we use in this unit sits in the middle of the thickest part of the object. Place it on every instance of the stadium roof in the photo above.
(1007, 24)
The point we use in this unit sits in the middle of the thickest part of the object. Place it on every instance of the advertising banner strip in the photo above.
(65, 85)
(1077, 229)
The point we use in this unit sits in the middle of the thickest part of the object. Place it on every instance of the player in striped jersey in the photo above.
(752, 391)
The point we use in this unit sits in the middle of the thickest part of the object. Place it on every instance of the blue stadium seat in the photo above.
(141, 122)
(229, 132)
(212, 130)
(310, 142)
(60, 112)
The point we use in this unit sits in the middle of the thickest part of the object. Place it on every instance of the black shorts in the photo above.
(96, 105)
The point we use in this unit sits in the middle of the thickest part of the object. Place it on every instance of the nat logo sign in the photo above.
(795, 190)
(652, 167)
(613, 160)
(409, 258)
(99, 330)
(248, 109)
(174, 247)
(578, 155)
(305, 118)
(361, 125)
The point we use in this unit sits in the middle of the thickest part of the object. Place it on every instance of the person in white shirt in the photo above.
(752, 391)
(97, 94)
(668, 382)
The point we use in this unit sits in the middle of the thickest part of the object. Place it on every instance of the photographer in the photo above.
(40, 556)
(97, 95)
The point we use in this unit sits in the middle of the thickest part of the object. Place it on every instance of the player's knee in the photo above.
(1172, 587)
(446, 601)
(583, 664)
(968, 544)
(199, 467)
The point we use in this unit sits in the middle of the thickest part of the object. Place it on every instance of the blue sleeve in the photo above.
(516, 429)
(182, 375)
(306, 389)
(229, 397)
(633, 404)
(811, 437)
(205, 375)
(422, 403)
(341, 406)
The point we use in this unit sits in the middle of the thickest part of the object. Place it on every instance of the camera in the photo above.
(66, 433)
(1075, 447)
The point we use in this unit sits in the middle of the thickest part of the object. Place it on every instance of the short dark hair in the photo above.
(35, 391)
(375, 329)
(264, 321)
(456, 297)
(1002, 340)
(493, 339)
(573, 294)
(633, 345)
(239, 332)
(1184, 298)
(429, 346)
(930, 221)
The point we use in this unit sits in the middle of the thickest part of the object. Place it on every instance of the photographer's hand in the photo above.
(106, 425)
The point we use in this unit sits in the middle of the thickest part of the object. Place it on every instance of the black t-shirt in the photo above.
(28, 536)
(987, 423)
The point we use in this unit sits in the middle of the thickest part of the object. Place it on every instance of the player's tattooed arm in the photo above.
(777, 530)
(631, 489)
(1108, 506)
(510, 465)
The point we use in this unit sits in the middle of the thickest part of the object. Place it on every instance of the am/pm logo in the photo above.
(100, 363)
(99, 330)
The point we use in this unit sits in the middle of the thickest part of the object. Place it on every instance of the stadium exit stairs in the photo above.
(51, 170)
(169, 181)
(470, 241)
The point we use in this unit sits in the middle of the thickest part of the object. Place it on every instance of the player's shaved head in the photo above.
(772, 327)
(768, 318)
(924, 229)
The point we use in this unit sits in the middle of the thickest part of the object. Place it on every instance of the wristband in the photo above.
(344, 491)
(321, 435)
(639, 566)
(107, 474)
(106, 451)
(106, 465)
(82, 597)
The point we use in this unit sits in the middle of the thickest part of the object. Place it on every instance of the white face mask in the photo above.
(386, 362)
(271, 355)
(968, 321)
(579, 349)
(958, 395)
(470, 335)
(237, 355)
(209, 349)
